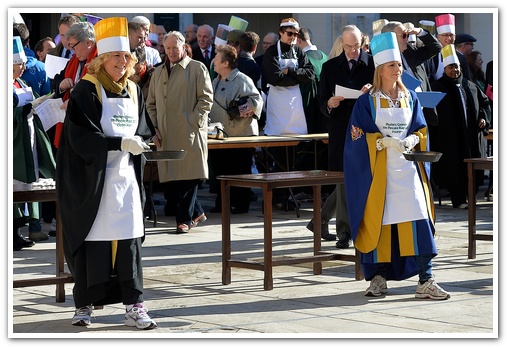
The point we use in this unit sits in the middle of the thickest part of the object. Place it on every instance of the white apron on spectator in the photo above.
(405, 200)
(285, 113)
(120, 215)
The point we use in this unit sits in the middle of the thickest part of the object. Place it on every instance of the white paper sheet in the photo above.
(54, 65)
(50, 113)
(347, 93)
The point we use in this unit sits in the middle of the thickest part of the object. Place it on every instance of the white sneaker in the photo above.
(138, 317)
(378, 286)
(53, 225)
(431, 290)
(82, 316)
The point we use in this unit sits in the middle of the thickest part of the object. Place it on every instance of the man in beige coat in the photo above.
(178, 102)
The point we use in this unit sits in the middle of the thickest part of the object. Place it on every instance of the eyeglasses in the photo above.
(447, 36)
(403, 36)
(349, 47)
(291, 33)
(71, 47)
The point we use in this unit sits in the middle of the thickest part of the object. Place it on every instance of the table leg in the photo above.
(317, 228)
(471, 212)
(152, 203)
(60, 257)
(357, 266)
(267, 193)
(226, 232)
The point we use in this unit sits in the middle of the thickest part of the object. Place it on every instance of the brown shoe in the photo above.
(197, 220)
(38, 236)
(182, 229)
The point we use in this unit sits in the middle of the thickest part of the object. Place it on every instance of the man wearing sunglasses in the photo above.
(414, 56)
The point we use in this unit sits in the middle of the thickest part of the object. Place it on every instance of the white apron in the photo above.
(405, 200)
(25, 95)
(284, 111)
(120, 215)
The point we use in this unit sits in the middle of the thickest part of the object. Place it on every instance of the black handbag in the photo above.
(233, 109)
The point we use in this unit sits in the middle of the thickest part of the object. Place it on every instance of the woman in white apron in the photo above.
(285, 68)
(389, 198)
(99, 175)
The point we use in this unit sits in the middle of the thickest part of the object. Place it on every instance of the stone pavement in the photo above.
(184, 291)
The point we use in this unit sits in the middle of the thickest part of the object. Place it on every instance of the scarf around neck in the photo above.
(110, 85)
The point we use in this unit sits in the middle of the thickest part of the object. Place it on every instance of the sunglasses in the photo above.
(403, 36)
(290, 34)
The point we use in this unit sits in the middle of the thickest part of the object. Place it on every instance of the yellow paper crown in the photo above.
(112, 35)
(449, 55)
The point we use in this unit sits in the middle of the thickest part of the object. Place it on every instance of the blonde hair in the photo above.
(377, 80)
(337, 48)
(98, 62)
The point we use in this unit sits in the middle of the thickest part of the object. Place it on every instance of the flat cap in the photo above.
(461, 38)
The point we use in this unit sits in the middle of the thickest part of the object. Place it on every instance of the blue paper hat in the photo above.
(19, 53)
(384, 48)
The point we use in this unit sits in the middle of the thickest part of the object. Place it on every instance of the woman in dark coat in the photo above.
(99, 175)
(462, 125)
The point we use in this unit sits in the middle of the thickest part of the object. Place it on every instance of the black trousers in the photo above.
(96, 282)
(233, 161)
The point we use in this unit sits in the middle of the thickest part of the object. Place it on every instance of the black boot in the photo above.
(19, 241)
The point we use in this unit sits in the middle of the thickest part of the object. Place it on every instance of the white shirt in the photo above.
(152, 56)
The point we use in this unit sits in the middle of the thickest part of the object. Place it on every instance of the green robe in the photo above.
(23, 163)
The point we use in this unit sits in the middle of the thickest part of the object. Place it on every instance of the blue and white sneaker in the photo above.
(82, 316)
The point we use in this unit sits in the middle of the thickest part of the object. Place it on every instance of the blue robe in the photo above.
(365, 185)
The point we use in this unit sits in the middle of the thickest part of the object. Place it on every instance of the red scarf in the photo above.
(70, 72)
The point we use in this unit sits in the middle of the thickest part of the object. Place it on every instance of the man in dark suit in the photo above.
(269, 40)
(464, 44)
(191, 34)
(446, 35)
(63, 25)
(204, 51)
(353, 69)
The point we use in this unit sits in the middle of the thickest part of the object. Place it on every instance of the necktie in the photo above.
(206, 56)
(67, 54)
(352, 64)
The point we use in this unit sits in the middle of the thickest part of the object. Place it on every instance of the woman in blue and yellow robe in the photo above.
(389, 230)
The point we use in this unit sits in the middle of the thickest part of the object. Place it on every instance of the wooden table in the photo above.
(253, 142)
(472, 165)
(268, 182)
(45, 195)
(263, 141)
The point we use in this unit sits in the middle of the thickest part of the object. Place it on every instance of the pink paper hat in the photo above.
(445, 23)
